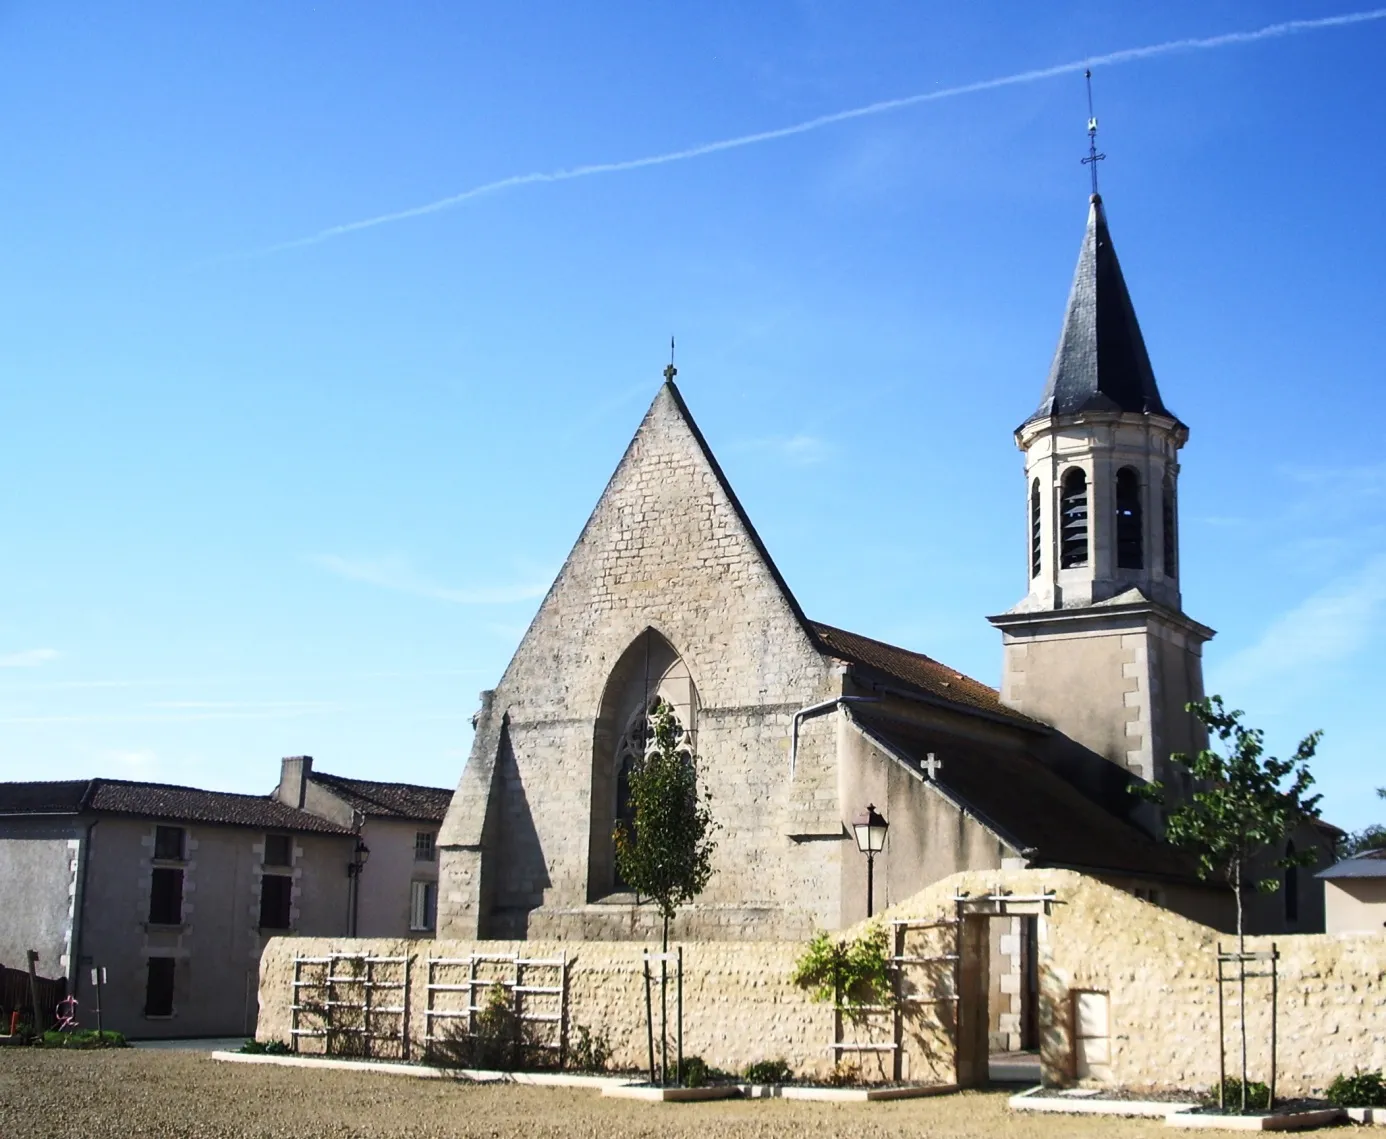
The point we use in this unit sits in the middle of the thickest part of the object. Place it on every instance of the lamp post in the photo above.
(360, 855)
(870, 828)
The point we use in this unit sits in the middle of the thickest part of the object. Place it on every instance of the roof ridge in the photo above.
(886, 644)
(98, 781)
(328, 776)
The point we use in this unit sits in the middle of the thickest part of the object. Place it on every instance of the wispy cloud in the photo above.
(800, 450)
(398, 575)
(1325, 629)
(1110, 59)
(29, 658)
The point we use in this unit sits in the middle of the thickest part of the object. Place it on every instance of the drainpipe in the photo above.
(812, 711)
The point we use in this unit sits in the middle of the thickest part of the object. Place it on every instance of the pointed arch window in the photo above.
(1171, 546)
(1129, 523)
(1073, 514)
(1036, 539)
(637, 743)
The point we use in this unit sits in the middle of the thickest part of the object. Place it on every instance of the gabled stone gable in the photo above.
(668, 547)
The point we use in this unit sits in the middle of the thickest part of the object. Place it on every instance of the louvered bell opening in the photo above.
(1129, 528)
(1073, 515)
(1167, 518)
(1036, 542)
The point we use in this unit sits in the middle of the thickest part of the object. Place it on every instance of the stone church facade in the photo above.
(669, 594)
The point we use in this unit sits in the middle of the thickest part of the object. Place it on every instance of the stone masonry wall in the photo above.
(1150, 969)
(666, 548)
(1157, 971)
(739, 1006)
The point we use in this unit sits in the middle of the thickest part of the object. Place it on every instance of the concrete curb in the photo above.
(1145, 1108)
(420, 1072)
(1288, 1121)
(671, 1095)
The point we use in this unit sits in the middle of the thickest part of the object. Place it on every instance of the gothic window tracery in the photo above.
(1129, 524)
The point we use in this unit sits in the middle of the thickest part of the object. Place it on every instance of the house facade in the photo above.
(174, 891)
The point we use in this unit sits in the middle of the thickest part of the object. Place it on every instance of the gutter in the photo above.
(814, 710)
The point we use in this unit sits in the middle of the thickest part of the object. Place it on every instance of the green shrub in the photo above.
(266, 1048)
(695, 1072)
(1257, 1095)
(83, 1038)
(768, 1072)
(590, 1052)
(857, 970)
(1361, 1089)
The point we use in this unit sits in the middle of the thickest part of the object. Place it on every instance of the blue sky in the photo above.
(266, 496)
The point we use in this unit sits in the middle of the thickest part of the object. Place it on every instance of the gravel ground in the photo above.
(170, 1095)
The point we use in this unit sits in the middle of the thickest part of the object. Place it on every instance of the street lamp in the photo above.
(870, 828)
(360, 854)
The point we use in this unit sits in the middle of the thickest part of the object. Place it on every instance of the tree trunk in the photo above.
(1241, 972)
(664, 1007)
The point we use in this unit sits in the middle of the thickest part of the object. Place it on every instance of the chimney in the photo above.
(293, 779)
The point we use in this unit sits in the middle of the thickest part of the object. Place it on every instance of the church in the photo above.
(797, 726)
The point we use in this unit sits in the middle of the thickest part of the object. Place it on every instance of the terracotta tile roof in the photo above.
(388, 800)
(1030, 805)
(917, 671)
(158, 801)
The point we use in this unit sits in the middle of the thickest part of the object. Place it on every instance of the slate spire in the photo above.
(1101, 363)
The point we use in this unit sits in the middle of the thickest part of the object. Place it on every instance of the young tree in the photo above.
(1244, 805)
(666, 854)
(1240, 807)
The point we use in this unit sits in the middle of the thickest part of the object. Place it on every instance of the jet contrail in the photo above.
(1128, 55)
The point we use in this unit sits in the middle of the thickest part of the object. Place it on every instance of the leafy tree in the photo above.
(1241, 806)
(1244, 804)
(666, 852)
(1371, 837)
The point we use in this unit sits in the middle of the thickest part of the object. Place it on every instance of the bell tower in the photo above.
(1100, 647)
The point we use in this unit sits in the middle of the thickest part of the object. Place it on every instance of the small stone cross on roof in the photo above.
(932, 764)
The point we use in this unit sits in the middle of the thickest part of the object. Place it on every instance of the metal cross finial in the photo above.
(670, 372)
(1093, 157)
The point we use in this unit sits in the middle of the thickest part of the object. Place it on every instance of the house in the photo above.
(1355, 894)
(395, 886)
(174, 891)
(797, 726)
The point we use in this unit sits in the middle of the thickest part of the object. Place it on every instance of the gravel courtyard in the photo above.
(174, 1094)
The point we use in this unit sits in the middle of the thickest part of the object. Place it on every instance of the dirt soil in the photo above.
(137, 1093)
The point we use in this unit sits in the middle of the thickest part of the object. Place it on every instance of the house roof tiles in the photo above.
(388, 800)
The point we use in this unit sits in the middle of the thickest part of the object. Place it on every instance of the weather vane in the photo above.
(670, 372)
(1093, 157)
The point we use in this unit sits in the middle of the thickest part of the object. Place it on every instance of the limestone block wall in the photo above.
(738, 1003)
(666, 549)
(1157, 972)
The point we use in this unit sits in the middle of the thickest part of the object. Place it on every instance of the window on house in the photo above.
(1036, 544)
(1129, 535)
(276, 892)
(279, 850)
(423, 906)
(1291, 887)
(168, 843)
(1167, 517)
(1073, 513)
(158, 989)
(423, 846)
(166, 897)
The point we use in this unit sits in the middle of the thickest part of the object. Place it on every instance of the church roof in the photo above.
(917, 671)
(1028, 805)
(1101, 363)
